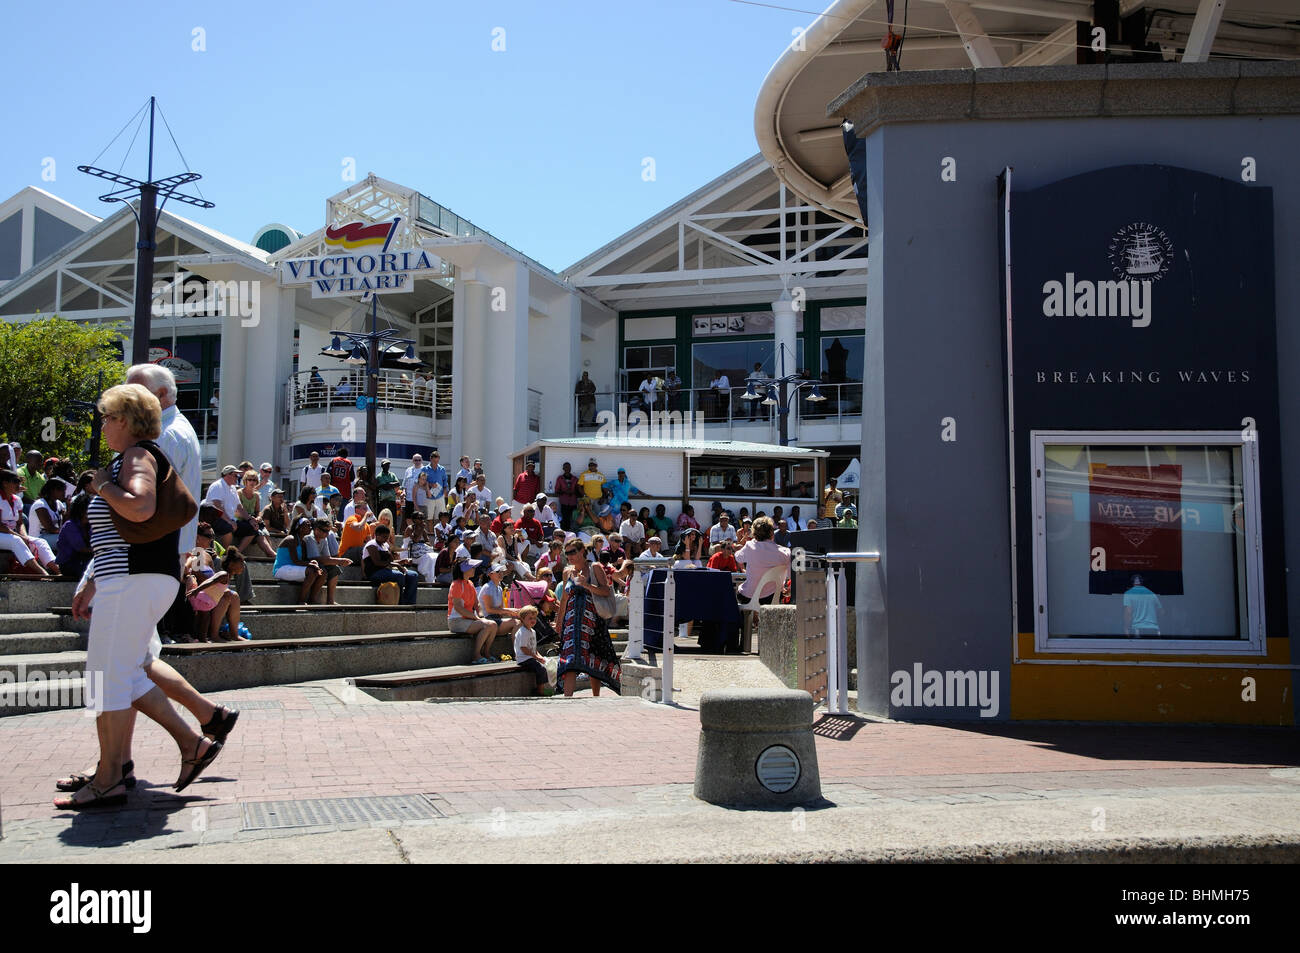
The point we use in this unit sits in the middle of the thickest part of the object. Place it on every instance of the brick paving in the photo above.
(501, 758)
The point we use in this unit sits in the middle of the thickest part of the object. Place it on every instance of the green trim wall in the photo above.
(812, 332)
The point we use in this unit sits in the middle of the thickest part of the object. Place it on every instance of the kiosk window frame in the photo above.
(1252, 641)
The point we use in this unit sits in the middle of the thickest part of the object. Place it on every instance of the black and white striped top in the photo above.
(114, 556)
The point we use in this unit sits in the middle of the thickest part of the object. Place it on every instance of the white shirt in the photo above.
(717, 533)
(484, 496)
(410, 478)
(545, 515)
(651, 392)
(222, 492)
(633, 531)
(56, 517)
(795, 526)
(525, 638)
(180, 445)
(721, 382)
(311, 476)
(351, 508)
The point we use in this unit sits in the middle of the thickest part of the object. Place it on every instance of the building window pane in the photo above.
(841, 372)
(1145, 541)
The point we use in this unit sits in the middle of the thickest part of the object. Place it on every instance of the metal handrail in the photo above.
(729, 409)
(328, 390)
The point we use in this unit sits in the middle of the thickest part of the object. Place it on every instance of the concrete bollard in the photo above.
(757, 748)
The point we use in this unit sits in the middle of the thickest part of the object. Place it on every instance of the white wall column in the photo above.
(231, 390)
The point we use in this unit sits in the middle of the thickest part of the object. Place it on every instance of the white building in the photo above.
(696, 290)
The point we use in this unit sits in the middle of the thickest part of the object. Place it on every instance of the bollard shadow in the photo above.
(822, 803)
(1236, 745)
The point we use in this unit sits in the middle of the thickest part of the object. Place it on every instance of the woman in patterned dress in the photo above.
(585, 645)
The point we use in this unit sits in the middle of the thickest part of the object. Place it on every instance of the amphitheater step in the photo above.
(222, 666)
(498, 680)
(14, 622)
(306, 622)
(26, 643)
(43, 665)
(38, 695)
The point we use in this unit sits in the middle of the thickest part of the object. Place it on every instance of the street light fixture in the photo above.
(777, 395)
(366, 349)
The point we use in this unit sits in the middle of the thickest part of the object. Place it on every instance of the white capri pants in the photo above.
(124, 638)
(291, 574)
(39, 548)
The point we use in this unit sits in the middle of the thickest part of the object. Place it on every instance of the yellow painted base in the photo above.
(1183, 693)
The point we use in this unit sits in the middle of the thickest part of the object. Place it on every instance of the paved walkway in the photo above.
(610, 778)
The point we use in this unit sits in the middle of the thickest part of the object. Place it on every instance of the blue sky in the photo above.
(541, 144)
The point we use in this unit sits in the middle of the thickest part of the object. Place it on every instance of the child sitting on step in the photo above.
(526, 649)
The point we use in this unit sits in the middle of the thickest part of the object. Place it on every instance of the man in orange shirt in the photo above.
(356, 533)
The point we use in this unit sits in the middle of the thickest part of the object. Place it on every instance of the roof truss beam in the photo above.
(1204, 27)
(976, 44)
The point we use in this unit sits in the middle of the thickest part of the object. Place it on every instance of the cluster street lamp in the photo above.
(780, 392)
(365, 348)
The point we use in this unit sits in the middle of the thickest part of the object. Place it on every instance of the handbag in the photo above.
(174, 506)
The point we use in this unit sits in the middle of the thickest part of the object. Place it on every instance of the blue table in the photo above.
(703, 595)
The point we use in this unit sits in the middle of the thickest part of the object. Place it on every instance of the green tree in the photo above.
(46, 365)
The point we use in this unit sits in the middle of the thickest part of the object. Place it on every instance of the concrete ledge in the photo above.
(502, 680)
(1220, 88)
(254, 665)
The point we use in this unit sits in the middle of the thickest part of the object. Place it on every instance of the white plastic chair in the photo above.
(777, 575)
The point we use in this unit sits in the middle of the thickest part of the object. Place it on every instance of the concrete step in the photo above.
(19, 594)
(14, 622)
(40, 694)
(19, 643)
(25, 595)
(305, 622)
(499, 680)
(46, 665)
(223, 666)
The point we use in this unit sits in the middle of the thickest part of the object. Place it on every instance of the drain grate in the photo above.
(327, 811)
(252, 704)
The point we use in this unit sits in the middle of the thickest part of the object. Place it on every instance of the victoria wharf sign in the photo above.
(363, 263)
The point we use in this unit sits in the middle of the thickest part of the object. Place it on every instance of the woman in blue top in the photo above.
(293, 565)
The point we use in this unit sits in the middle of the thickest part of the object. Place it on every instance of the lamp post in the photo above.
(89, 407)
(146, 215)
(780, 393)
(371, 341)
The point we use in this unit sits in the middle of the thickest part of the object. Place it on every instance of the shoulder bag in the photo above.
(174, 505)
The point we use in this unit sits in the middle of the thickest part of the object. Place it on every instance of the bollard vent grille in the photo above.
(778, 769)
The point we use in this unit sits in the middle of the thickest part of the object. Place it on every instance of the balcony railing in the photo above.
(727, 409)
(327, 391)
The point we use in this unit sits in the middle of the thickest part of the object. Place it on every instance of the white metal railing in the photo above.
(725, 408)
(325, 391)
(837, 647)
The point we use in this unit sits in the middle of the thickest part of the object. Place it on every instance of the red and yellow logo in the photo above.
(358, 235)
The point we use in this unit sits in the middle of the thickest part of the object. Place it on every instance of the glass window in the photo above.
(736, 359)
(1148, 542)
(841, 373)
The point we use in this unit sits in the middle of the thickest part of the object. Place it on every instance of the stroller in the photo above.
(523, 593)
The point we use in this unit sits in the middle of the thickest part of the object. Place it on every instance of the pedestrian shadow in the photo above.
(145, 816)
